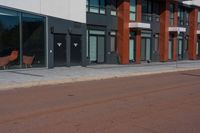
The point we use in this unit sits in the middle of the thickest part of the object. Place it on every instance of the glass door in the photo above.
(96, 46)
(131, 50)
(97, 49)
(146, 49)
(180, 49)
(170, 50)
(93, 48)
(101, 49)
(10, 49)
(143, 49)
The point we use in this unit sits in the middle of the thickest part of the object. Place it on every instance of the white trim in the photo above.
(191, 2)
(139, 25)
(198, 32)
(177, 29)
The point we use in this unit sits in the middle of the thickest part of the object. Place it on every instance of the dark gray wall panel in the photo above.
(60, 26)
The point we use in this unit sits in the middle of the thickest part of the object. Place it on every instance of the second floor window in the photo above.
(113, 6)
(96, 6)
(171, 9)
(132, 10)
(187, 17)
(198, 21)
(146, 10)
(180, 16)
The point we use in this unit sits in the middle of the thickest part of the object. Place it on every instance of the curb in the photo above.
(82, 79)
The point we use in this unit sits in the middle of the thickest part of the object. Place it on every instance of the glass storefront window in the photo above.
(22, 40)
(33, 39)
(9, 39)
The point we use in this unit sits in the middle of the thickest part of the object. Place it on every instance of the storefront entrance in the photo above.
(146, 49)
(75, 50)
(170, 49)
(60, 50)
(180, 49)
(146, 46)
(96, 46)
(132, 47)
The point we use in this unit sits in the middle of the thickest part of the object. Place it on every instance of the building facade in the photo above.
(157, 30)
(42, 33)
(46, 33)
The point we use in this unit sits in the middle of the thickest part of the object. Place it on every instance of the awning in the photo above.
(191, 2)
(177, 29)
(139, 25)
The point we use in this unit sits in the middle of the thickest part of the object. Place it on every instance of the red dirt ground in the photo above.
(162, 103)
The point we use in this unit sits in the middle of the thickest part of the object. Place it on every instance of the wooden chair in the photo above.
(4, 61)
(13, 55)
(28, 60)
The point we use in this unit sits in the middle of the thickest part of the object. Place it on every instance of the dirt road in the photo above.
(163, 103)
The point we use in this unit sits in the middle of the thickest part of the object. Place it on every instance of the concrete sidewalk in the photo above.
(10, 79)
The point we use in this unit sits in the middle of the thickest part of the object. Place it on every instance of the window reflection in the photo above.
(30, 51)
(133, 10)
(96, 6)
(33, 40)
(9, 39)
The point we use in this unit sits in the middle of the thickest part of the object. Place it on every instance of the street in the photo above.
(160, 103)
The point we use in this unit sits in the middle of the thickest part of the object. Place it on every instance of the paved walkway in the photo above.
(34, 77)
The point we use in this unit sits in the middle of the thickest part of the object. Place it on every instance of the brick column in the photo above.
(139, 11)
(138, 32)
(193, 16)
(164, 32)
(123, 31)
(175, 41)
